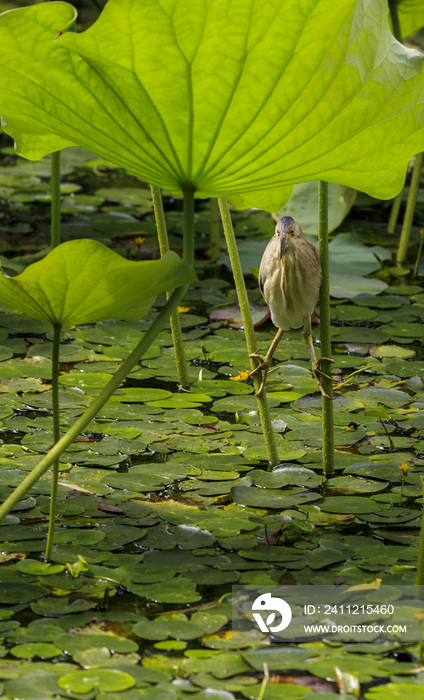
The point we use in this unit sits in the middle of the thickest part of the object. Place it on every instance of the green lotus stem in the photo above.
(410, 209)
(54, 241)
(269, 435)
(215, 232)
(56, 438)
(420, 566)
(325, 336)
(394, 212)
(420, 247)
(88, 415)
(55, 191)
(177, 336)
(120, 374)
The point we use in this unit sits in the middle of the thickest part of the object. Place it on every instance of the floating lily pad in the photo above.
(280, 691)
(283, 476)
(271, 498)
(232, 314)
(349, 504)
(350, 484)
(385, 301)
(108, 680)
(34, 649)
(391, 351)
(179, 626)
(38, 568)
(374, 396)
(18, 592)
(374, 470)
(178, 591)
(232, 404)
(348, 285)
(38, 684)
(348, 255)
(72, 643)
(396, 691)
(312, 435)
(185, 399)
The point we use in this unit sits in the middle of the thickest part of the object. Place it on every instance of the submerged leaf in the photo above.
(82, 281)
(210, 95)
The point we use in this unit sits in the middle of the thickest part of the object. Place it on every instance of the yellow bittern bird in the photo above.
(289, 279)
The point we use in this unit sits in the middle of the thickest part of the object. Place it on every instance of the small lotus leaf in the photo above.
(82, 281)
(18, 592)
(108, 680)
(349, 255)
(280, 691)
(375, 396)
(348, 285)
(35, 685)
(71, 643)
(392, 351)
(232, 314)
(350, 484)
(42, 649)
(271, 498)
(282, 476)
(179, 626)
(350, 504)
(396, 691)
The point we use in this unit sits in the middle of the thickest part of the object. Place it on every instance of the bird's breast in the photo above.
(289, 289)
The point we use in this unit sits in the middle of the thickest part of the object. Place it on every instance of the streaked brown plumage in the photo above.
(289, 279)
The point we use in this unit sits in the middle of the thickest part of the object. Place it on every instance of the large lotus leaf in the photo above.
(239, 98)
(83, 281)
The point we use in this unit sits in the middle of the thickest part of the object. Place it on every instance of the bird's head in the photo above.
(287, 230)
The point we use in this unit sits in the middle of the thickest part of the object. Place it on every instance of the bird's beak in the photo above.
(283, 241)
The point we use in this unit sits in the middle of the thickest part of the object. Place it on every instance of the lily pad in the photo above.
(32, 649)
(348, 255)
(72, 643)
(349, 504)
(108, 680)
(396, 691)
(179, 626)
(348, 285)
(232, 314)
(271, 498)
(392, 351)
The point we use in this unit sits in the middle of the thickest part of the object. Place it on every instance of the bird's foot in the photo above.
(264, 366)
(318, 373)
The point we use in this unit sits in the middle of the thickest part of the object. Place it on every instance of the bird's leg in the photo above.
(265, 362)
(316, 370)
